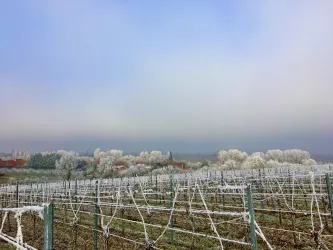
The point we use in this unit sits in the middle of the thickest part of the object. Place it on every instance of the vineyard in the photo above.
(285, 208)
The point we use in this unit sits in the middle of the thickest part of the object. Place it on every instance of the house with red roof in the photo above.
(13, 163)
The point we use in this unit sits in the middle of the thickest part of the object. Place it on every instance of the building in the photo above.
(3, 163)
(20, 155)
(13, 163)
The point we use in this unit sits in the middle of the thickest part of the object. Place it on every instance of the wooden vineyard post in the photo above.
(329, 191)
(48, 226)
(75, 193)
(17, 194)
(222, 196)
(96, 217)
(262, 196)
(156, 187)
(289, 180)
(171, 202)
(222, 189)
(251, 214)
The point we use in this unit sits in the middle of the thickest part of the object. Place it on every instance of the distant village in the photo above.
(17, 159)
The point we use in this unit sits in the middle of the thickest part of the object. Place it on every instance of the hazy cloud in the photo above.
(137, 69)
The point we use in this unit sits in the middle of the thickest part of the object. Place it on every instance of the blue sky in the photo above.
(165, 73)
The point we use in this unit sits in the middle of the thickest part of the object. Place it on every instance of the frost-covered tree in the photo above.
(309, 162)
(47, 160)
(137, 170)
(43, 160)
(273, 164)
(66, 165)
(222, 156)
(97, 154)
(91, 171)
(275, 155)
(260, 154)
(86, 159)
(144, 157)
(253, 162)
(116, 154)
(237, 155)
(193, 165)
(106, 166)
(230, 164)
(129, 159)
(132, 171)
(232, 154)
(159, 171)
(157, 157)
(296, 156)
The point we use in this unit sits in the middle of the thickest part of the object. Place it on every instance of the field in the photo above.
(210, 210)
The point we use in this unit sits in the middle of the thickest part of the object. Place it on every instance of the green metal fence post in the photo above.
(48, 226)
(96, 217)
(329, 191)
(171, 202)
(251, 214)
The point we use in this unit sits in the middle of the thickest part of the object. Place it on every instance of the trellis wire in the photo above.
(286, 187)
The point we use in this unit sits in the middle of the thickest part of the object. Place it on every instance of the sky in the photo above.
(190, 75)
